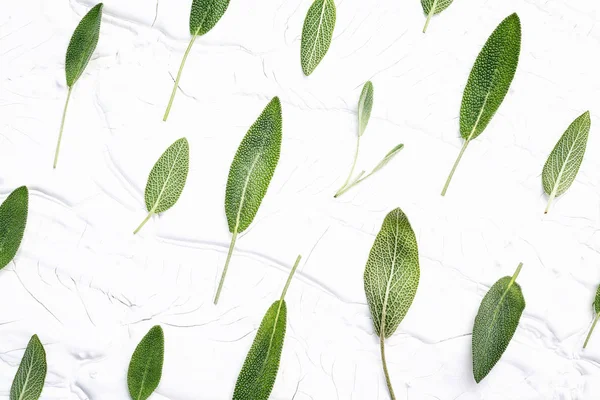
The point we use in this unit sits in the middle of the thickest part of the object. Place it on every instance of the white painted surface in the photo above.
(91, 290)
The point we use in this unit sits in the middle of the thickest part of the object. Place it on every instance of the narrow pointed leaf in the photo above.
(596, 306)
(317, 33)
(13, 218)
(145, 368)
(205, 14)
(432, 7)
(365, 105)
(82, 44)
(30, 377)
(388, 157)
(565, 159)
(496, 323)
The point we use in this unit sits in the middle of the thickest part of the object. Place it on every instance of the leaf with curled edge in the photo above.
(145, 367)
(13, 219)
(29, 380)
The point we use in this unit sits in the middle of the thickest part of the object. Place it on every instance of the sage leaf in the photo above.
(565, 159)
(258, 374)
(596, 306)
(167, 179)
(80, 50)
(432, 7)
(30, 377)
(145, 368)
(496, 323)
(13, 218)
(488, 82)
(204, 15)
(317, 33)
(250, 174)
(365, 105)
(391, 278)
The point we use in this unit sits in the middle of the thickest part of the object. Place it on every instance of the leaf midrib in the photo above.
(388, 285)
(485, 100)
(562, 169)
(28, 374)
(321, 18)
(264, 363)
(244, 189)
(139, 396)
(158, 198)
(496, 311)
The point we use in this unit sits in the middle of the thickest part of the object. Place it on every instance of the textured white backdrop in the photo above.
(91, 290)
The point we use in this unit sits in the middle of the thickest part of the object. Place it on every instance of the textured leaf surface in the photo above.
(392, 272)
(253, 167)
(30, 377)
(597, 301)
(145, 368)
(496, 323)
(436, 5)
(13, 218)
(82, 44)
(205, 14)
(388, 157)
(317, 33)
(365, 105)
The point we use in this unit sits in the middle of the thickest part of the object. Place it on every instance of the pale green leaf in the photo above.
(145, 368)
(365, 105)
(317, 33)
(388, 157)
(30, 377)
(13, 218)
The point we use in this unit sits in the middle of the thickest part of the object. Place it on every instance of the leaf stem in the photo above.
(385, 369)
(231, 246)
(515, 275)
(431, 12)
(550, 200)
(462, 151)
(150, 214)
(289, 279)
(587, 339)
(341, 190)
(176, 85)
(62, 125)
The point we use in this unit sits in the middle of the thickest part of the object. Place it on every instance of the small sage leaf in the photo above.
(565, 159)
(391, 278)
(596, 306)
(13, 218)
(80, 50)
(317, 33)
(258, 374)
(496, 323)
(145, 368)
(432, 7)
(388, 157)
(30, 377)
(167, 179)
(365, 105)
(250, 174)
(488, 82)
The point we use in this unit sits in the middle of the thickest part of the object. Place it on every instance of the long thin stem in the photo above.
(431, 12)
(231, 246)
(340, 191)
(62, 125)
(462, 151)
(385, 369)
(176, 85)
(289, 279)
(150, 214)
(550, 200)
(516, 274)
(587, 339)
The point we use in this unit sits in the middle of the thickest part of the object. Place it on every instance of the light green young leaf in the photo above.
(145, 368)
(250, 174)
(167, 179)
(317, 33)
(391, 278)
(204, 15)
(496, 323)
(13, 218)
(432, 7)
(388, 157)
(596, 306)
(565, 159)
(258, 374)
(365, 105)
(30, 377)
(488, 82)
(80, 50)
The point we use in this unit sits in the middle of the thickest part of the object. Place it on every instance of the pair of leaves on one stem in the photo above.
(13, 219)
(317, 33)
(365, 105)
(29, 380)
(145, 367)
(432, 7)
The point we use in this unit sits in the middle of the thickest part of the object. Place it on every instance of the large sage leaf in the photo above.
(30, 377)
(250, 174)
(496, 323)
(432, 7)
(13, 218)
(596, 306)
(317, 33)
(488, 82)
(391, 278)
(565, 159)
(258, 374)
(145, 368)
(167, 179)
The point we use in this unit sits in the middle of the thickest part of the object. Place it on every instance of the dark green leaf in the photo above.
(82, 44)
(145, 368)
(13, 218)
(205, 14)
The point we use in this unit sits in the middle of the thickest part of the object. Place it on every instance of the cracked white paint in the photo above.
(91, 290)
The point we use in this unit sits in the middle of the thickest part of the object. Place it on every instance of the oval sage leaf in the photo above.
(596, 306)
(496, 323)
(365, 105)
(317, 33)
(258, 374)
(488, 82)
(145, 368)
(167, 179)
(432, 7)
(250, 174)
(565, 159)
(391, 278)
(30, 377)
(80, 50)
(13, 218)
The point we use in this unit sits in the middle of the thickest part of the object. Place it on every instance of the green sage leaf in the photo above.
(167, 179)
(488, 82)
(596, 306)
(388, 157)
(317, 33)
(13, 218)
(565, 159)
(250, 174)
(496, 323)
(432, 7)
(145, 368)
(391, 277)
(30, 377)
(365, 105)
